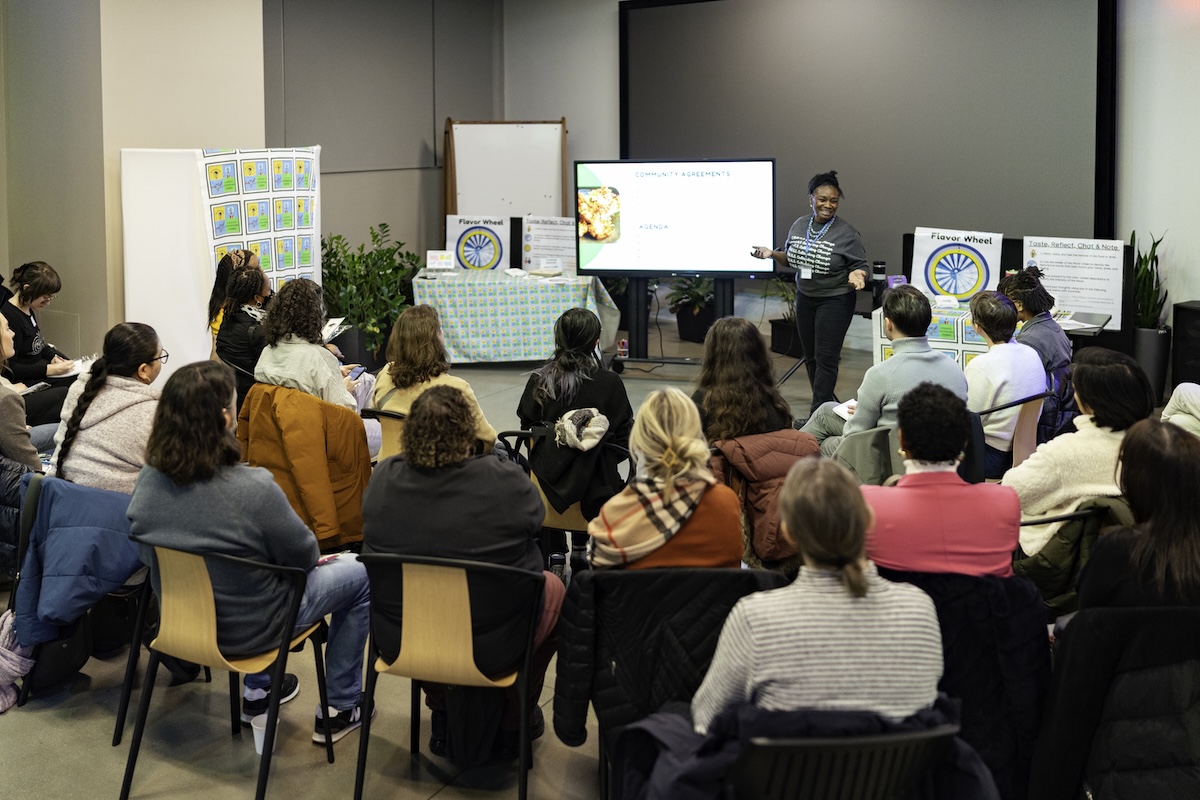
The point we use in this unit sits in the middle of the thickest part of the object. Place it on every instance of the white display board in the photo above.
(955, 263)
(170, 246)
(1081, 274)
(512, 169)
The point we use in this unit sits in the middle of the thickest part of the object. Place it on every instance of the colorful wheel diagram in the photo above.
(479, 248)
(956, 269)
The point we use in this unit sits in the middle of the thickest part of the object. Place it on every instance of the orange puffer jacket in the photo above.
(318, 454)
(755, 467)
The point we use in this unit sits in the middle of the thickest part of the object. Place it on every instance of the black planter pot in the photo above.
(1152, 349)
(694, 325)
(354, 350)
(785, 338)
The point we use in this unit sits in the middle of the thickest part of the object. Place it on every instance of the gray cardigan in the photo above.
(913, 361)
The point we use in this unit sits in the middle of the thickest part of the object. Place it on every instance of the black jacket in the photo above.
(570, 476)
(997, 662)
(10, 512)
(1124, 709)
(661, 757)
(239, 344)
(32, 352)
(631, 641)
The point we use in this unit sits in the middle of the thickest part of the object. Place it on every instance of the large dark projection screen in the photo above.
(945, 113)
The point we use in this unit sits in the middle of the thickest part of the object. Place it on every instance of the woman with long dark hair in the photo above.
(1156, 562)
(736, 392)
(417, 360)
(35, 285)
(232, 260)
(109, 411)
(575, 378)
(240, 341)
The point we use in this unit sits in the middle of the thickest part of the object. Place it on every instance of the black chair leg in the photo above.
(368, 710)
(264, 764)
(139, 726)
(323, 691)
(135, 651)
(525, 762)
(414, 727)
(604, 787)
(235, 703)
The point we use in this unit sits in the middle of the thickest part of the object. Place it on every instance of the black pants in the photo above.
(822, 324)
(45, 407)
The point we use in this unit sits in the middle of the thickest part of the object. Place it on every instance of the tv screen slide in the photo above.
(683, 217)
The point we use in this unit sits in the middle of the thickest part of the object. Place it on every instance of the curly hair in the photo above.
(244, 285)
(826, 518)
(190, 440)
(126, 347)
(574, 359)
(934, 423)
(35, 279)
(415, 352)
(738, 381)
(298, 308)
(1025, 286)
(440, 430)
(824, 179)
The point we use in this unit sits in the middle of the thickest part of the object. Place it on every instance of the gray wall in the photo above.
(944, 113)
(372, 82)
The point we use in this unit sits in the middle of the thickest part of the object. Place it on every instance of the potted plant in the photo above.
(1151, 336)
(369, 288)
(693, 302)
(785, 338)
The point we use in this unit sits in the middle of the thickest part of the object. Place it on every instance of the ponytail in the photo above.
(854, 580)
(826, 519)
(95, 382)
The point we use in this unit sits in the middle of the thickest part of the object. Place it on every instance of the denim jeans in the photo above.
(822, 323)
(340, 588)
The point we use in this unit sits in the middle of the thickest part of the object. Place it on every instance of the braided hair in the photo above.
(126, 347)
(245, 283)
(1026, 285)
(225, 267)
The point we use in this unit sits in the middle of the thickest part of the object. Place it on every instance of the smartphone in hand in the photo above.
(354, 373)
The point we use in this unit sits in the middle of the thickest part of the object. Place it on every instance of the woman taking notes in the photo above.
(827, 255)
(34, 285)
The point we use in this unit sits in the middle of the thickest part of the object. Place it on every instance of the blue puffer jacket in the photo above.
(79, 550)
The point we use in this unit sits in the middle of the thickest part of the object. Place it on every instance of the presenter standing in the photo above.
(826, 253)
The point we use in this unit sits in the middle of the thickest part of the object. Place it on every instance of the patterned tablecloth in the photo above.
(494, 316)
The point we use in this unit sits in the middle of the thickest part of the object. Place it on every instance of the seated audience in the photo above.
(34, 285)
(14, 434)
(673, 513)
(736, 392)
(906, 319)
(839, 637)
(575, 378)
(240, 341)
(193, 493)
(1183, 409)
(932, 520)
(1008, 371)
(417, 360)
(294, 355)
(109, 412)
(1112, 392)
(455, 504)
(234, 259)
(1157, 562)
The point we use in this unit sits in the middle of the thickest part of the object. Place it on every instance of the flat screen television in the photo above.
(652, 218)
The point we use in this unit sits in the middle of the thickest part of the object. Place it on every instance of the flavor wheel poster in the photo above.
(955, 263)
(268, 202)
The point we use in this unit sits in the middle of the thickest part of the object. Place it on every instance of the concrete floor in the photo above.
(58, 746)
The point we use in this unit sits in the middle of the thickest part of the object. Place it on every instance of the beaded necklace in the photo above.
(811, 236)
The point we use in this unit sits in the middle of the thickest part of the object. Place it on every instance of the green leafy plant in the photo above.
(616, 285)
(1149, 296)
(368, 287)
(783, 287)
(692, 294)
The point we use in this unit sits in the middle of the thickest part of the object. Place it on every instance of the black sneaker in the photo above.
(799, 422)
(340, 723)
(508, 742)
(252, 708)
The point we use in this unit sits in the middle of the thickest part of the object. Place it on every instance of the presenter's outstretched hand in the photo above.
(761, 252)
(858, 278)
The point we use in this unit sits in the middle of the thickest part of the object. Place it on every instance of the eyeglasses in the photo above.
(163, 358)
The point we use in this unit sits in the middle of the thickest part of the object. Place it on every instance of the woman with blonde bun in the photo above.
(673, 513)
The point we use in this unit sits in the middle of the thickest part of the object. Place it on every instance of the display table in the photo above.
(950, 333)
(490, 316)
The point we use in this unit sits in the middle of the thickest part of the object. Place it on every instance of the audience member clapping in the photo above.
(673, 513)
(736, 392)
(932, 520)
